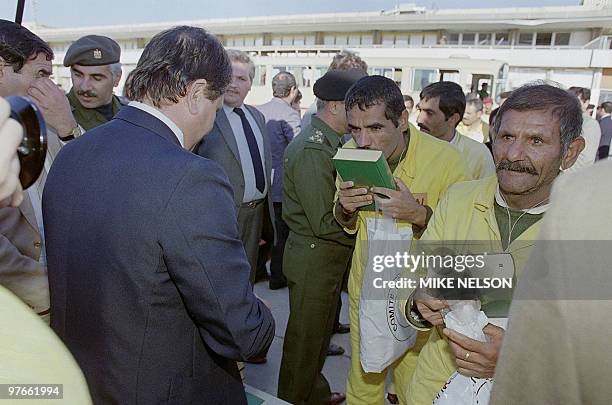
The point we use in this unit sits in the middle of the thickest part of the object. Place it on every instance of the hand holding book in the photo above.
(400, 204)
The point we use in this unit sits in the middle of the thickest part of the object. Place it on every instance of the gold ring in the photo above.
(467, 356)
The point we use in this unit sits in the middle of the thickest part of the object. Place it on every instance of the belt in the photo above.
(252, 204)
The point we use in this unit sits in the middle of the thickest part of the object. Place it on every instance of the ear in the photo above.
(574, 149)
(455, 119)
(402, 123)
(336, 107)
(117, 79)
(196, 92)
(2, 68)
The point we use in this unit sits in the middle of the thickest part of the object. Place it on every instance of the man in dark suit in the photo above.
(239, 143)
(149, 281)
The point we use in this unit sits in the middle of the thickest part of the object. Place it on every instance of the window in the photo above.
(468, 39)
(276, 40)
(402, 39)
(562, 38)
(329, 40)
(526, 38)
(341, 39)
(423, 78)
(501, 38)
(287, 40)
(484, 39)
(260, 75)
(544, 39)
(298, 40)
(452, 39)
(388, 39)
(354, 39)
(367, 40)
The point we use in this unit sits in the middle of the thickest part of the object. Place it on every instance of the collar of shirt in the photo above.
(228, 110)
(499, 199)
(162, 117)
(455, 139)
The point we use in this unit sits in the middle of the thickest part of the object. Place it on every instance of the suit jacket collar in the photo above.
(27, 210)
(225, 128)
(147, 121)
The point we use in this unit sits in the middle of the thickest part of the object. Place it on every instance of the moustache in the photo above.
(87, 93)
(515, 167)
(423, 128)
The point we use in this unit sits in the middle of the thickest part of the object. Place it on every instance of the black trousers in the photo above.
(282, 232)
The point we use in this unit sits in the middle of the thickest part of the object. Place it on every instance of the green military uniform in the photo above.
(89, 118)
(316, 257)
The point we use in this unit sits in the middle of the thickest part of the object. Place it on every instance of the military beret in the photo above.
(334, 85)
(93, 50)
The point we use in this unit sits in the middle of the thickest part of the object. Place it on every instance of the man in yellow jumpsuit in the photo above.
(538, 135)
(424, 168)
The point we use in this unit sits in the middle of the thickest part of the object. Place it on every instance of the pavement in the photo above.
(263, 378)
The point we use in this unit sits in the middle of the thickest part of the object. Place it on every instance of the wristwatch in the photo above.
(76, 132)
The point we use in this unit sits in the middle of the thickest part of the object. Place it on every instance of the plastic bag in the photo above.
(466, 318)
(384, 334)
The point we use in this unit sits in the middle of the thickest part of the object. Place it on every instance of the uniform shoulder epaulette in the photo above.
(316, 137)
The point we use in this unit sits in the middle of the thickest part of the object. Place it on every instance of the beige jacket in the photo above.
(557, 350)
(20, 248)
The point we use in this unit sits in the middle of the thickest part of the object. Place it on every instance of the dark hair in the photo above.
(282, 83)
(347, 60)
(546, 98)
(372, 90)
(505, 94)
(450, 96)
(607, 107)
(18, 45)
(582, 93)
(175, 58)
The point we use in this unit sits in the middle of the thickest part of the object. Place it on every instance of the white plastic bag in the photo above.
(384, 334)
(466, 318)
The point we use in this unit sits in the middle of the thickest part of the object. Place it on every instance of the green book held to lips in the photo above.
(366, 168)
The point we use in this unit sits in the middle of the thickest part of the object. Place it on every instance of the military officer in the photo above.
(318, 250)
(95, 70)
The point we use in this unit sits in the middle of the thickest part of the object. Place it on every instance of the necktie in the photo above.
(260, 181)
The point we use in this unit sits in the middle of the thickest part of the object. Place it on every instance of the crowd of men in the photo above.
(142, 239)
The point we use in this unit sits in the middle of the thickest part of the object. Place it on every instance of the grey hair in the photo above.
(546, 96)
(115, 69)
(236, 55)
(476, 103)
(282, 83)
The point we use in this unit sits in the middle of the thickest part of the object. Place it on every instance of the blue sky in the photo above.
(71, 13)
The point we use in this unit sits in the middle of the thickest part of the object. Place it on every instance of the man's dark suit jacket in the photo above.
(149, 281)
(220, 145)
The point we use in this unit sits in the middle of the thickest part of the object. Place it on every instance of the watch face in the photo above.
(33, 148)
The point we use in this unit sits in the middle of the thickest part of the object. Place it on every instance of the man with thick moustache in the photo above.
(95, 70)
(537, 134)
(149, 280)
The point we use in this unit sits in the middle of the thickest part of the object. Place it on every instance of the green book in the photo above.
(365, 168)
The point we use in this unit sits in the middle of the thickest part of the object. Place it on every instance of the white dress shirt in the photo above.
(162, 117)
(250, 189)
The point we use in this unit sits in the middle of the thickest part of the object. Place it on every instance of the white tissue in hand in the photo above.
(466, 318)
